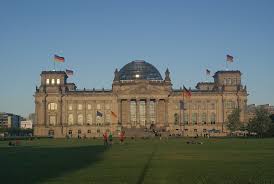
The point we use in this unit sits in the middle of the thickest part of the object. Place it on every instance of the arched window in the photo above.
(52, 106)
(70, 119)
(89, 119)
(212, 118)
(80, 119)
(52, 81)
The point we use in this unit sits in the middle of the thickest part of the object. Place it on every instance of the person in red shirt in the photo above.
(122, 137)
(105, 136)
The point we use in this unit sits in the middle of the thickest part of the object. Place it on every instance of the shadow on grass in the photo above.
(32, 165)
(144, 170)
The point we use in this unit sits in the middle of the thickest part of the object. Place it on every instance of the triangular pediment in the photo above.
(143, 89)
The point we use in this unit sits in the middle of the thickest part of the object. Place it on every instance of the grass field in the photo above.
(138, 161)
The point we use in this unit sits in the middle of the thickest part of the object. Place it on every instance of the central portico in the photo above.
(142, 95)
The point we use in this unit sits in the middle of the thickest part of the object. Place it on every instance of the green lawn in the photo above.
(138, 161)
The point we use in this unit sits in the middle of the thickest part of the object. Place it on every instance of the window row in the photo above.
(79, 119)
(52, 81)
(99, 119)
(196, 106)
(90, 106)
(194, 119)
(230, 81)
(230, 105)
(53, 106)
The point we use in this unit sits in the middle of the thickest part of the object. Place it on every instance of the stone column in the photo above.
(85, 112)
(147, 111)
(74, 109)
(59, 112)
(138, 111)
(128, 110)
(119, 111)
(166, 113)
(156, 111)
(37, 113)
(44, 112)
(94, 109)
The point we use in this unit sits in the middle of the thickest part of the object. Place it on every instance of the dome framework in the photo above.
(139, 70)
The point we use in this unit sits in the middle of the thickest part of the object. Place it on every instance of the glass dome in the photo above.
(139, 69)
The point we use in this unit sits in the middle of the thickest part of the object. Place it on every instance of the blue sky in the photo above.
(95, 37)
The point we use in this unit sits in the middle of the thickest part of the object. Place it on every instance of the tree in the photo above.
(233, 120)
(271, 130)
(261, 123)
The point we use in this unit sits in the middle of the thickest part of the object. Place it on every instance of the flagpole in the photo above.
(183, 112)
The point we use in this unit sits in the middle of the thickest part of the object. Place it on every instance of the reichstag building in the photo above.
(140, 99)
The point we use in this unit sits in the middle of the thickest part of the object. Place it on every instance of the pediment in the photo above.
(143, 89)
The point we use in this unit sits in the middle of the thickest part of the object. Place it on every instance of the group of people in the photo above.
(108, 138)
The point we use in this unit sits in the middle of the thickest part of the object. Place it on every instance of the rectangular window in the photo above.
(152, 114)
(80, 119)
(58, 81)
(70, 119)
(70, 107)
(80, 106)
(89, 106)
(98, 106)
(52, 81)
(133, 112)
(142, 110)
(52, 120)
(47, 81)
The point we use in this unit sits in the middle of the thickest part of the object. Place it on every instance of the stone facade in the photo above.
(137, 102)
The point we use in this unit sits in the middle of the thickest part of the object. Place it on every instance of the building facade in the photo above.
(26, 124)
(139, 99)
(9, 120)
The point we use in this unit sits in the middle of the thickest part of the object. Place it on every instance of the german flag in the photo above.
(229, 58)
(186, 92)
(59, 59)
